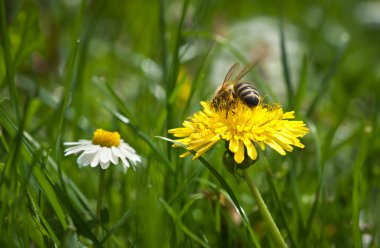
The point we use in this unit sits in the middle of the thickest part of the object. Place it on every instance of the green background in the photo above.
(69, 67)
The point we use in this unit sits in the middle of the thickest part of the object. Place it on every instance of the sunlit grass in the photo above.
(140, 69)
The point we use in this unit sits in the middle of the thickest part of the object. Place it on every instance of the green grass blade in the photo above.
(10, 73)
(226, 187)
(313, 210)
(119, 103)
(324, 85)
(356, 190)
(195, 84)
(64, 102)
(48, 191)
(302, 85)
(273, 187)
(41, 221)
(178, 221)
(126, 216)
(230, 192)
(285, 63)
(144, 137)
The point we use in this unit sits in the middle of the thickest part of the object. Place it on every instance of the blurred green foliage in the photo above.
(69, 67)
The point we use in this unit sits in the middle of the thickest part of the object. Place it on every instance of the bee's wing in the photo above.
(245, 70)
(231, 72)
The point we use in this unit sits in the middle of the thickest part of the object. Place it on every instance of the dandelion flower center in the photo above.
(106, 138)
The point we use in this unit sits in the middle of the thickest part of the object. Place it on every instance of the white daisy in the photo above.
(105, 147)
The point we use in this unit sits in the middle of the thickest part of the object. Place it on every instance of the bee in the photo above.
(232, 90)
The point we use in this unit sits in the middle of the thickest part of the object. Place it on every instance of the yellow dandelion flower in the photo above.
(242, 128)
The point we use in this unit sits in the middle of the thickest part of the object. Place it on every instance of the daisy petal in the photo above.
(104, 155)
(85, 159)
(104, 165)
(95, 160)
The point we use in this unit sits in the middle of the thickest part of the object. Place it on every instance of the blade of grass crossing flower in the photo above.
(226, 187)
(357, 179)
(323, 89)
(178, 221)
(131, 121)
(64, 102)
(9, 73)
(144, 137)
(172, 77)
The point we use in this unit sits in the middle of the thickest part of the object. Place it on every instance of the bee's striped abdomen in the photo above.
(247, 93)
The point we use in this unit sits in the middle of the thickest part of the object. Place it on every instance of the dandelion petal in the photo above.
(234, 145)
(239, 154)
(251, 149)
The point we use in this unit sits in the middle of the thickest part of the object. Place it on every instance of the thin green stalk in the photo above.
(164, 65)
(9, 65)
(357, 178)
(284, 58)
(275, 232)
(99, 200)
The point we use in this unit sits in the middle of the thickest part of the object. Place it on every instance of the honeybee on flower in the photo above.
(228, 117)
(233, 90)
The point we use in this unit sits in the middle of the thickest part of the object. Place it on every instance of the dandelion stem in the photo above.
(265, 212)
(99, 200)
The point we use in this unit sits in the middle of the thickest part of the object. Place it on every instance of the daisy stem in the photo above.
(264, 211)
(99, 200)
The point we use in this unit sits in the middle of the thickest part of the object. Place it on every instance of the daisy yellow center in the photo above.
(106, 138)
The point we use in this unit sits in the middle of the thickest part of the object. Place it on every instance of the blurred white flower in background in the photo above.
(260, 38)
(368, 13)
